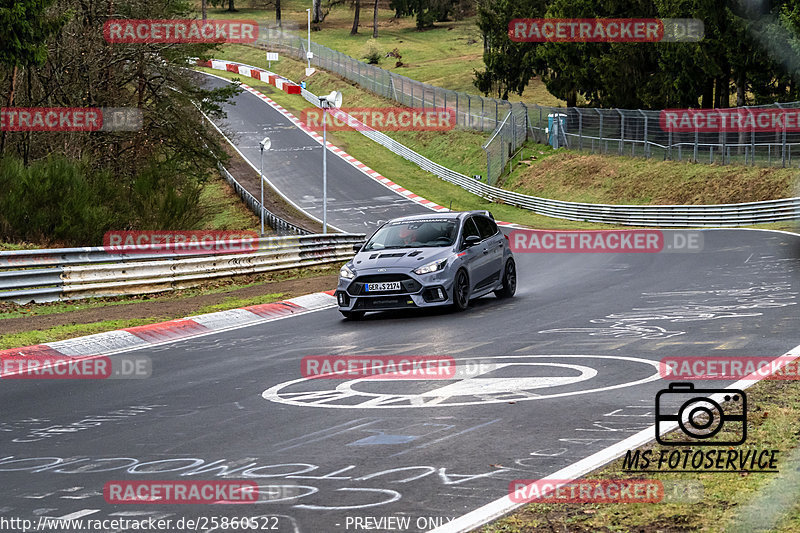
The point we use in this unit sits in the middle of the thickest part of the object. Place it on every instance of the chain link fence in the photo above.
(472, 111)
(604, 131)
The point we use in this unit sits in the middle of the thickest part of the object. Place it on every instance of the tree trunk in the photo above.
(708, 94)
(203, 3)
(741, 85)
(356, 17)
(26, 147)
(278, 12)
(13, 86)
(230, 6)
(10, 104)
(723, 96)
(572, 98)
(375, 21)
(316, 15)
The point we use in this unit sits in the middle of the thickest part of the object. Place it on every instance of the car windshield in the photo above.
(414, 234)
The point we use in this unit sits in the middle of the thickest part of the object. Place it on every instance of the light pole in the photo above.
(333, 100)
(308, 49)
(264, 144)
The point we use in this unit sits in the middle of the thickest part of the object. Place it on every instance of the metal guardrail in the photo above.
(74, 273)
(275, 222)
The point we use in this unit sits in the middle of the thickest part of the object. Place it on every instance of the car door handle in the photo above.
(485, 251)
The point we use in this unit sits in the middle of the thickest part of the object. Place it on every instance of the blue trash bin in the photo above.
(555, 136)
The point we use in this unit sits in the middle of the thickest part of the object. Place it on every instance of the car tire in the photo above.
(461, 291)
(352, 315)
(509, 281)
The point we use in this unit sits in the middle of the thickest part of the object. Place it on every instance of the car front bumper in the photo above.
(427, 290)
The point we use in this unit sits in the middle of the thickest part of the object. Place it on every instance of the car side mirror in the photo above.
(357, 247)
(472, 240)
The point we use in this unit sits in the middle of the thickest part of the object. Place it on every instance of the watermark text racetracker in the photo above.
(748, 368)
(181, 492)
(389, 367)
(600, 30)
(730, 120)
(50, 366)
(605, 241)
(381, 119)
(604, 491)
(70, 119)
(180, 31)
(186, 242)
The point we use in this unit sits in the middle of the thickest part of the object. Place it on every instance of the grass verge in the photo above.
(223, 209)
(22, 325)
(730, 501)
(612, 179)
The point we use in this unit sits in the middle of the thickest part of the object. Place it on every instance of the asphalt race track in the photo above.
(294, 165)
(235, 403)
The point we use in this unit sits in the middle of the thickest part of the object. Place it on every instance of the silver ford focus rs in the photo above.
(427, 261)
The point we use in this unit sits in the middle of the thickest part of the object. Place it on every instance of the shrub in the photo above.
(63, 201)
(372, 52)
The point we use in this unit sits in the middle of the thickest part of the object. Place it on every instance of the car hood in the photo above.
(410, 258)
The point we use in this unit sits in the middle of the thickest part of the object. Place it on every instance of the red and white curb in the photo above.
(285, 85)
(138, 337)
(247, 70)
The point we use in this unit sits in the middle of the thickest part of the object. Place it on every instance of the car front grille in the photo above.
(408, 284)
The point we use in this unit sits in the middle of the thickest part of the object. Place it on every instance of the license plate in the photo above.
(383, 287)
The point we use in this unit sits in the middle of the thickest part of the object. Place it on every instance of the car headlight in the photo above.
(346, 273)
(431, 267)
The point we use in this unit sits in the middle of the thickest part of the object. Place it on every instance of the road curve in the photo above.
(293, 164)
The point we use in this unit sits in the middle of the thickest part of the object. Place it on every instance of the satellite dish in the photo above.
(265, 144)
(334, 99)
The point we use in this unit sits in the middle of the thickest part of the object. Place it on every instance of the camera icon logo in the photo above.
(699, 417)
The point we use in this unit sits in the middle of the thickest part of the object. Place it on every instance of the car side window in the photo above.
(469, 229)
(486, 227)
